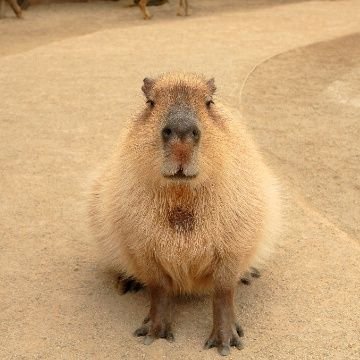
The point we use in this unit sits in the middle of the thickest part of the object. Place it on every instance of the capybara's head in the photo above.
(179, 135)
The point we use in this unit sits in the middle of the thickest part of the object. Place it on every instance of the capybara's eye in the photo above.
(151, 103)
(209, 103)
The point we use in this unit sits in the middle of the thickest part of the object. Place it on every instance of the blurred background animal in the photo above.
(182, 10)
(13, 4)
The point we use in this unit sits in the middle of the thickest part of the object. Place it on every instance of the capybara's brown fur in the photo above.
(185, 205)
(13, 4)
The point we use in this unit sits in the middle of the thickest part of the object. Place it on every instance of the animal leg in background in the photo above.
(183, 5)
(144, 10)
(16, 8)
(13, 4)
(2, 8)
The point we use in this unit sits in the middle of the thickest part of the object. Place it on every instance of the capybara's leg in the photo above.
(2, 8)
(144, 10)
(24, 4)
(183, 8)
(179, 12)
(16, 8)
(186, 7)
(226, 331)
(128, 284)
(158, 323)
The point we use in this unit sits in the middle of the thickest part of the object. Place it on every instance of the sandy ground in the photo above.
(69, 74)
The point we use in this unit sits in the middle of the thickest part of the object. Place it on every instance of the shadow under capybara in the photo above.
(185, 205)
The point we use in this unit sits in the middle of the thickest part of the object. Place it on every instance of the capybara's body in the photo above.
(185, 204)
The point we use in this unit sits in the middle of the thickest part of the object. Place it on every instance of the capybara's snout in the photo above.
(180, 136)
(181, 125)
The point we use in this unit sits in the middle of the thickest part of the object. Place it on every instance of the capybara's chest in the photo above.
(188, 263)
(179, 248)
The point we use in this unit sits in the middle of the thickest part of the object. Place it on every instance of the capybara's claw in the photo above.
(152, 332)
(224, 340)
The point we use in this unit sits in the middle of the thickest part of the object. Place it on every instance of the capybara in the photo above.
(185, 205)
(13, 4)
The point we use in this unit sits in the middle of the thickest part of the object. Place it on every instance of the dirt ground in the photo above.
(69, 74)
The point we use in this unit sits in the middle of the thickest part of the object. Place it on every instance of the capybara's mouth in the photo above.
(180, 175)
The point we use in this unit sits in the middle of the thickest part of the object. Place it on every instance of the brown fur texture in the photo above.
(194, 235)
(13, 4)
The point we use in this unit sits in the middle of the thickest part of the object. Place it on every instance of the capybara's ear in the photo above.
(211, 86)
(147, 86)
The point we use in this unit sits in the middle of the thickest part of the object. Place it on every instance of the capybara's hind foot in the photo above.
(247, 277)
(128, 284)
(152, 331)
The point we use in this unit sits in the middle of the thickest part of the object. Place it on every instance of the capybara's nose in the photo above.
(181, 132)
(181, 123)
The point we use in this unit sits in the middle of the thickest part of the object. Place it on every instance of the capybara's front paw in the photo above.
(154, 330)
(223, 339)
